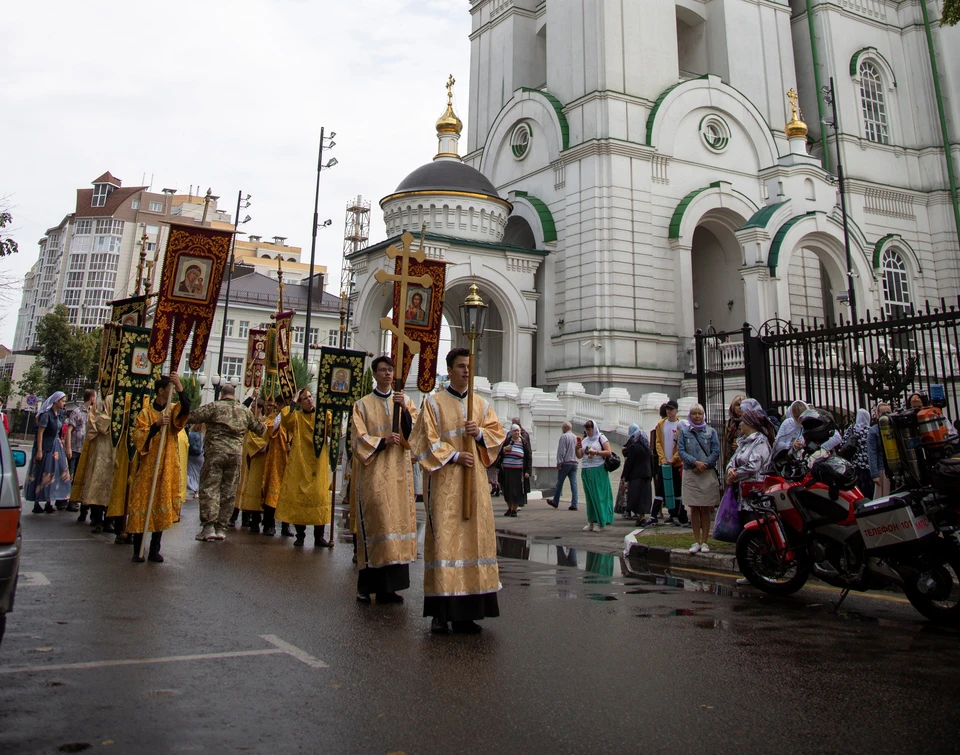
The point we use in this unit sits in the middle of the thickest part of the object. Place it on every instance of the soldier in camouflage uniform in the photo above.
(226, 421)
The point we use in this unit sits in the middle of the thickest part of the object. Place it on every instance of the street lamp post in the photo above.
(473, 318)
(830, 96)
(226, 305)
(313, 242)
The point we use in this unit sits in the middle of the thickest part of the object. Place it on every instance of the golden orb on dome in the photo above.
(449, 123)
(796, 128)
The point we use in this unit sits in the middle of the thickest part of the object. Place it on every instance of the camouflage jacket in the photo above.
(226, 420)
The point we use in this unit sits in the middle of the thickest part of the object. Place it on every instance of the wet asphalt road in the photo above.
(580, 661)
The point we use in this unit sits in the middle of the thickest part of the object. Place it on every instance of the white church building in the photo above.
(634, 171)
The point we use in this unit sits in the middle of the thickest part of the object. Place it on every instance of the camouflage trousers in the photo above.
(218, 488)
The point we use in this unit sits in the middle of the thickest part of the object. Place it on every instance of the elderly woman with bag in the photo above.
(516, 462)
(699, 447)
(638, 469)
(48, 478)
(594, 451)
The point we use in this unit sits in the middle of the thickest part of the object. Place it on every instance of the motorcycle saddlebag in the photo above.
(887, 523)
(946, 476)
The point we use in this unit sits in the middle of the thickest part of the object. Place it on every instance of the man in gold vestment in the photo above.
(460, 574)
(304, 497)
(98, 460)
(146, 437)
(383, 478)
(274, 465)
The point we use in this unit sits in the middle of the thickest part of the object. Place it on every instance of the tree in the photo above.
(7, 245)
(67, 353)
(191, 386)
(6, 386)
(32, 382)
(301, 372)
(951, 13)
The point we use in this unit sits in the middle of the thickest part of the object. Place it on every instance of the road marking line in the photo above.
(33, 579)
(301, 655)
(281, 648)
(873, 596)
(59, 540)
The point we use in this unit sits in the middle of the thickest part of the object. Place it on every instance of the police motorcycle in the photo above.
(810, 518)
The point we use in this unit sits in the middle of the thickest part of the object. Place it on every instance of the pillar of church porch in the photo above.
(759, 293)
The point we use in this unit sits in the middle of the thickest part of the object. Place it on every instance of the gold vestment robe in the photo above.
(460, 555)
(253, 463)
(382, 486)
(123, 468)
(275, 463)
(166, 500)
(305, 491)
(98, 457)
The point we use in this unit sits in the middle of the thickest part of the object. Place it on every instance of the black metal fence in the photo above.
(836, 367)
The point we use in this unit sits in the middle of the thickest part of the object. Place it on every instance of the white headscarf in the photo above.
(863, 417)
(51, 400)
(595, 435)
(514, 427)
(749, 404)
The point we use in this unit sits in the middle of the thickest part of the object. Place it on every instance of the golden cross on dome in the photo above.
(450, 82)
(794, 104)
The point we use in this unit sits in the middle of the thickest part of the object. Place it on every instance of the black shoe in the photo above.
(254, 529)
(466, 627)
(551, 502)
(61, 505)
(269, 531)
(155, 557)
(389, 597)
(573, 508)
(439, 627)
(321, 542)
(507, 512)
(513, 514)
(137, 558)
(298, 543)
(363, 597)
(73, 507)
(122, 538)
(37, 508)
(285, 530)
(83, 516)
(49, 509)
(96, 529)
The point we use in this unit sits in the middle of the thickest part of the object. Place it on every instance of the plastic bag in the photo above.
(727, 527)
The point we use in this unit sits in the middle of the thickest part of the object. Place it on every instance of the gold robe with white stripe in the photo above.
(385, 509)
(460, 555)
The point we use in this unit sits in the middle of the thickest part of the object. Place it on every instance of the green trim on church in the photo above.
(763, 216)
(558, 107)
(546, 217)
(677, 219)
(855, 61)
(449, 239)
(878, 248)
(774, 257)
(655, 109)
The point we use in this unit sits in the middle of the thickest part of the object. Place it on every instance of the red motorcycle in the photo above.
(816, 521)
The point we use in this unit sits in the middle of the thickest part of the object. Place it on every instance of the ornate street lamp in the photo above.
(473, 318)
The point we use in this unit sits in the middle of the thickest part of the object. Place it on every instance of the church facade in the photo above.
(636, 171)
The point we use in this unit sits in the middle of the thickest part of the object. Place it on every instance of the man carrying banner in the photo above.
(304, 497)
(460, 574)
(227, 420)
(386, 513)
(274, 465)
(162, 463)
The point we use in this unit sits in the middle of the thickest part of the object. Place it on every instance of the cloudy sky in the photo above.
(227, 94)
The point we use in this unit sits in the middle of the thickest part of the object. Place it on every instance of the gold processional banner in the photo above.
(189, 287)
(256, 360)
(287, 385)
(339, 387)
(135, 377)
(423, 315)
(132, 311)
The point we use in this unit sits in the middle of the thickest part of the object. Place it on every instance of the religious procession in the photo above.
(271, 457)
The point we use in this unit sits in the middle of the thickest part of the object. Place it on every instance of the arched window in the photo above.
(896, 286)
(874, 106)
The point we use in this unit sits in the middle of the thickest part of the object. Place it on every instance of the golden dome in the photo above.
(449, 123)
(796, 128)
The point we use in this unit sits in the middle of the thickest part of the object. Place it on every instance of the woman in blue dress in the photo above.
(48, 478)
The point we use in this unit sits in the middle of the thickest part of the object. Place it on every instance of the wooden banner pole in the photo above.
(469, 446)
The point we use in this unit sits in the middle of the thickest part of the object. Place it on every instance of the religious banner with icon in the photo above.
(256, 359)
(339, 387)
(421, 302)
(132, 311)
(189, 287)
(135, 377)
(286, 383)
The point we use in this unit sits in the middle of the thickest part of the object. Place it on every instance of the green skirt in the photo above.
(596, 488)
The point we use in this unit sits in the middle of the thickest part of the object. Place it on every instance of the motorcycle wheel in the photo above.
(763, 571)
(941, 601)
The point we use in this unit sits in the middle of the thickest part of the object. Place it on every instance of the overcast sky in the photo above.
(226, 94)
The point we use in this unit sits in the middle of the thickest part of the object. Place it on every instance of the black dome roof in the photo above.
(447, 175)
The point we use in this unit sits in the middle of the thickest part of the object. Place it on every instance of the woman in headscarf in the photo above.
(699, 448)
(48, 478)
(752, 457)
(638, 468)
(594, 450)
(790, 434)
(620, 503)
(732, 430)
(855, 439)
(516, 461)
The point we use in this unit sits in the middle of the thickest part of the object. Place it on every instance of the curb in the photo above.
(677, 557)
